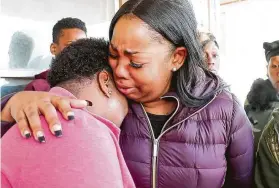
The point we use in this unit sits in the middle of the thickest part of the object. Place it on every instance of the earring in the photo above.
(173, 69)
(109, 94)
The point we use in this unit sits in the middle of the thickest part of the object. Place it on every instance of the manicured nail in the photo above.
(27, 134)
(71, 115)
(57, 130)
(89, 103)
(41, 137)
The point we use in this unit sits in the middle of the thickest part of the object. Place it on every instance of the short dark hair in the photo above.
(271, 49)
(175, 21)
(80, 61)
(67, 23)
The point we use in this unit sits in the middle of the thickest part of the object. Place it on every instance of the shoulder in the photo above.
(225, 102)
(261, 94)
(38, 85)
(84, 125)
(85, 142)
(81, 130)
(83, 134)
(226, 107)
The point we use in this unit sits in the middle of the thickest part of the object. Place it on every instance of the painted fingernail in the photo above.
(27, 134)
(57, 130)
(71, 115)
(84, 102)
(89, 103)
(41, 137)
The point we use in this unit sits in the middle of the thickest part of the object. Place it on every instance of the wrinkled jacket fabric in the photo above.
(39, 83)
(207, 147)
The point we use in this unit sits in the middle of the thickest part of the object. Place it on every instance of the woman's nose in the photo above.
(210, 60)
(121, 70)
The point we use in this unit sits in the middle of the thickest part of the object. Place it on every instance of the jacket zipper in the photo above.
(173, 114)
(154, 151)
(198, 111)
(155, 142)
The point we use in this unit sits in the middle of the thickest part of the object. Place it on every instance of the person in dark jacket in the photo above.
(183, 128)
(267, 159)
(64, 32)
(263, 96)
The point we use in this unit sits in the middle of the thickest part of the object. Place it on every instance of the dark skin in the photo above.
(67, 36)
(273, 72)
(107, 101)
(212, 56)
(139, 72)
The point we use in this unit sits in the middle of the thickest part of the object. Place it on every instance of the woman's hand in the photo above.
(26, 106)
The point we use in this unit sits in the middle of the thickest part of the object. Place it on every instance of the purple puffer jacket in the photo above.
(207, 147)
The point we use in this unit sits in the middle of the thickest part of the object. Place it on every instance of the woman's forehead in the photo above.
(275, 59)
(211, 46)
(133, 37)
(130, 32)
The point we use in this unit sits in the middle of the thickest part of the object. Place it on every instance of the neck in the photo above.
(100, 103)
(160, 107)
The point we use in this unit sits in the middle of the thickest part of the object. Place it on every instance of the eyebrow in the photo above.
(126, 51)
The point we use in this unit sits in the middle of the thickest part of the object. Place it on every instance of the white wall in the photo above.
(201, 12)
(244, 28)
(35, 18)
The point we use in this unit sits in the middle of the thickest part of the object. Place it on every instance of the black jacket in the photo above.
(261, 101)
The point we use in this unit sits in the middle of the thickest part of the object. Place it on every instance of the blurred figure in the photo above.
(262, 99)
(64, 32)
(211, 51)
(20, 50)
(41, 62)
(267, 158)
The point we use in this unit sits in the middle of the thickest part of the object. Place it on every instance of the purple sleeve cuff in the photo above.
(5, 99)
(5, 126)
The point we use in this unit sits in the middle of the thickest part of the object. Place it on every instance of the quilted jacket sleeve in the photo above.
(240, 151)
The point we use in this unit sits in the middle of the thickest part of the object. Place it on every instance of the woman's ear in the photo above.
(179, 56)
(104, 81)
